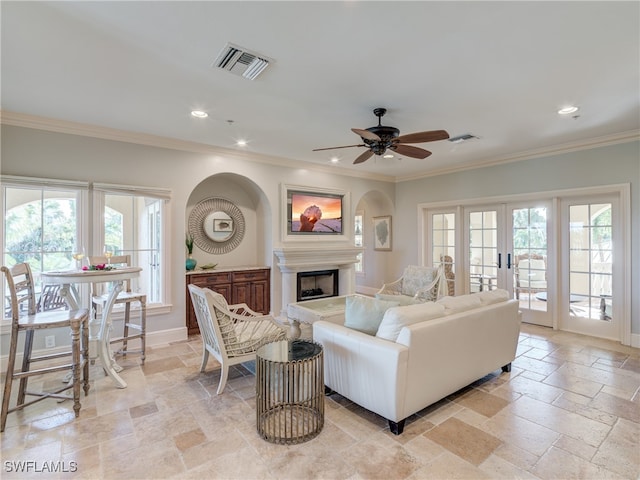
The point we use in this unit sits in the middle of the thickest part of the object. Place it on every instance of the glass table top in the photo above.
(289, 350)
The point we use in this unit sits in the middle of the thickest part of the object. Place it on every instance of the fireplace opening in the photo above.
(318, 284)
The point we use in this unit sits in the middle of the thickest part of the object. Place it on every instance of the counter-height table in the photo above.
(68, 279)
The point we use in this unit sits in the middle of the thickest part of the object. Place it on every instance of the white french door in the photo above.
(531, 262)
(590, 242)
(485, 247)
(507, 247)
(564, 255)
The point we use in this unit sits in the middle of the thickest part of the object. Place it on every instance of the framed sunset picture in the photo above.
(314, 213)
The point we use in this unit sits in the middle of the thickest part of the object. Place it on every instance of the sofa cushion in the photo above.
(401, 299)
(460, 303)
(365, 313)
(493, 296)
(396, 318)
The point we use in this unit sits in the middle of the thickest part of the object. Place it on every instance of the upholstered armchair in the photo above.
(231, 333)
(419, 284)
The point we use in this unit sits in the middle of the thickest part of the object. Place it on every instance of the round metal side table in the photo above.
(289, 391)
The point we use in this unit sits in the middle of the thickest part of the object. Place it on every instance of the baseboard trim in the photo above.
(370, 291)
(635, 340)
(154, 339)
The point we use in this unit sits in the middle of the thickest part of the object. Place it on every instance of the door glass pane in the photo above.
(530, 257)
(443, 243)
(483, 250)
(590, 261)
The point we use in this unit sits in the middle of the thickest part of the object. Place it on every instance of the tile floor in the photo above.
(570, 408)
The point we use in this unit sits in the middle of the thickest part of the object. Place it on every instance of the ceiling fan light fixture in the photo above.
(380, 139)
(568, 110)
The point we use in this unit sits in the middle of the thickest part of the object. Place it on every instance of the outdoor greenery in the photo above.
(530, 231)
(42, 233)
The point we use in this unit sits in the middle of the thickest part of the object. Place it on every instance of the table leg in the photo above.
(70, 295)
(105, 355)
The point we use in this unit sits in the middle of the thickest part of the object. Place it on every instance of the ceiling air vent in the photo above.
(241, 61)
(462, 138)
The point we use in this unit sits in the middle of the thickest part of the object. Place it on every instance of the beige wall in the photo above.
(191, 177)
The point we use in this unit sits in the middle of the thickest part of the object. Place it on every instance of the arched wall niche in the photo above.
(255, 247)
(376, 263)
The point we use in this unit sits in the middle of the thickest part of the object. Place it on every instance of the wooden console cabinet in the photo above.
(247, 285)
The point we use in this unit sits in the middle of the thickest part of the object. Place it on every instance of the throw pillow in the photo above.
(396, 318)
(460, 303)
(401, 299)
(365, 313)
(493, 296)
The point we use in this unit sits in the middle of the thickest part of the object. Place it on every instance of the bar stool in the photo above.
(20, 283)
(126, 297)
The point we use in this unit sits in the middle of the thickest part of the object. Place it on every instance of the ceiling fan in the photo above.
(380, 138)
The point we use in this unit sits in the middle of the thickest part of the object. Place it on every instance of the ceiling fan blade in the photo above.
(366, 134)
(364, 157)
(333, 148)
(409, 151)
(422, 137)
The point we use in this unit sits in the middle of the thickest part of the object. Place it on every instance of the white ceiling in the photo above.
(497, 70)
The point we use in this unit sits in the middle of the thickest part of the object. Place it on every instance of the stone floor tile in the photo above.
(560, 420)
(620, 451)
(544, 419)
(466, 441)
(557, 463)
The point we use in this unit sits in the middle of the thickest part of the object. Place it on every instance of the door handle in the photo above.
(499, 260)
(508, 260)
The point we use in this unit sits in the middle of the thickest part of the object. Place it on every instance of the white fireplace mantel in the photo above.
(303, 259)
(292, 260)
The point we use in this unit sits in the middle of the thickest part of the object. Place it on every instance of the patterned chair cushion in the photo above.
(416, 278)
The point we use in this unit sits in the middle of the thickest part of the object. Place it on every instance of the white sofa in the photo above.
(440, 347)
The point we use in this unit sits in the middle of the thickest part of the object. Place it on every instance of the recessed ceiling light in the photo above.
(241, 143)
(334, 160)
(199, 114)
(388, 155)
(567, 110)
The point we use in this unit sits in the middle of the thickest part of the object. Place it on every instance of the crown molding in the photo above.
(74, 128)
(16, 119)
(586, 144)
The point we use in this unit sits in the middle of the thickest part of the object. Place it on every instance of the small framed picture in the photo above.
(222, 225)
(382, 233)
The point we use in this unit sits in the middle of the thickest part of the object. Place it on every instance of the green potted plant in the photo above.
(191, 262)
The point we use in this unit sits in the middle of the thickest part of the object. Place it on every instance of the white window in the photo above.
(42, 225)
(358, 240)
(45, 223)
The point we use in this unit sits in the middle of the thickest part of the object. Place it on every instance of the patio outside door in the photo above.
(507, 247)
(531, 273)
(589, 240)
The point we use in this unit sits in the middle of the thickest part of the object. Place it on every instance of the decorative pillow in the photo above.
(460, 303)
(396, 318)
(416, 278)
(493, 296)
(365, 313)
(401, 299)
